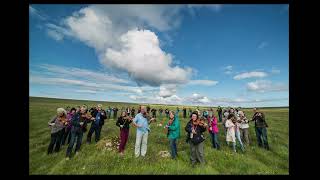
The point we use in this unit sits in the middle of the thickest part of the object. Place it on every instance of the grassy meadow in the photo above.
(94, 160)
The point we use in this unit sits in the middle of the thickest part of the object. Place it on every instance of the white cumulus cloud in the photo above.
(143, 59)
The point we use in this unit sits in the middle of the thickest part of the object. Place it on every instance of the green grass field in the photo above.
(92, 160)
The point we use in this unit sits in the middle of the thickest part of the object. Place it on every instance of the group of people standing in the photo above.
(72, 125)
(69, 127)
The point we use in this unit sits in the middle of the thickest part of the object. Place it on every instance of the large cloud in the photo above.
(141, 56)
(124, 39)
(112, 31)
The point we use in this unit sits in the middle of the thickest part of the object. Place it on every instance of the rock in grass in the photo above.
(164, 154)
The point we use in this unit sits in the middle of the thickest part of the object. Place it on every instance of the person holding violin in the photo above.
(57, 125)
(99, 115)
(142, 121)
(195, 128)
(260, 128)
(67, 133)
(213, 129)
(79, 122)
(173, 132)
(124, 123)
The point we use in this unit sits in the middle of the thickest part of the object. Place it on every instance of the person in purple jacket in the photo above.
(67, 133)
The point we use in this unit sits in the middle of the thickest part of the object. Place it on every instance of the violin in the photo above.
(199, 122)
(63, 119)
(127, 118)
(166, 129)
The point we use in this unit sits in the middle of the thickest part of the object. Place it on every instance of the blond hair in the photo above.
(61, 110)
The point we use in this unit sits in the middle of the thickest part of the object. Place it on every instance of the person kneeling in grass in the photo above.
(173, 127)
(123, 122)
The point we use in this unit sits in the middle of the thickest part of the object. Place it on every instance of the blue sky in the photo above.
(229, 55)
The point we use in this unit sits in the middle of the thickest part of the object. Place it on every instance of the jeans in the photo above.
(197, 153)
(124, 134)
(262, 138)
(239, 139)
(173, 147)
(141, 144)
(74, 135)
(96, 129)
(66, 134)
(55, 141)
(244, 134)
(214, 140)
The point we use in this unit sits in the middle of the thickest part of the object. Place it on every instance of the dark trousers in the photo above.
(262, 138)
(74, 135)
(96, 129)
(214, 140)
(124, 134)
(66, 134)
(197, 153)
(220, 117)
(184, 115)
(173, 148)
(55, 141)
(114, 115)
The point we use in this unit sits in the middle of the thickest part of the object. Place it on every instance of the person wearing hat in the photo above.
(99, 115)
(57, 125)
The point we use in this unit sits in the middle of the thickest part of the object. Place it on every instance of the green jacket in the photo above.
(174, 129)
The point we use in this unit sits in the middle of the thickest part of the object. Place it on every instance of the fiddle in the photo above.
(199, 122)
(166, 129)
(63, 119)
